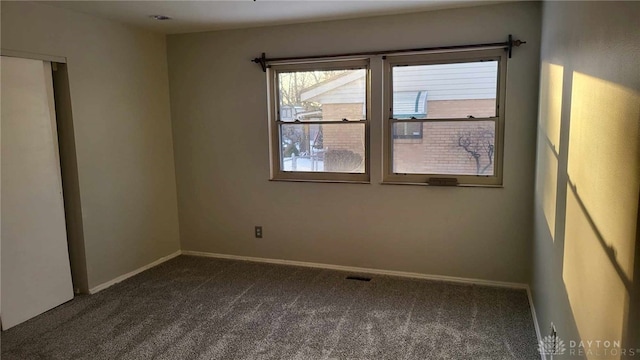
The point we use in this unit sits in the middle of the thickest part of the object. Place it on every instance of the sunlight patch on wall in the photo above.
(550, 112)
(602, 204)
(551, 78)
(603, 159)
(596, 293)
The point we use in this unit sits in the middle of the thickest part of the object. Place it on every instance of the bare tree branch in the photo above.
(479, 144)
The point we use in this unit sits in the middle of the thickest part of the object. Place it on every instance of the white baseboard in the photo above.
(103, 286)
(535, 321)
(361, 270)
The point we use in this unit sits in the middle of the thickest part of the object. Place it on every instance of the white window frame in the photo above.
(495, 180)
(277, 173)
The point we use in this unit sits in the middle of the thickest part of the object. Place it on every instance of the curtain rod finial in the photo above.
(511, 43)
(262, 60)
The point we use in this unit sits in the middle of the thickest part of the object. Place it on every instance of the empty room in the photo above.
(320, 180)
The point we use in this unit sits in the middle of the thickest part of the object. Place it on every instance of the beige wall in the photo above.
(585, 267)
(120, 103)
(219, 115)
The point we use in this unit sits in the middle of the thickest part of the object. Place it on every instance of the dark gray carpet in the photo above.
(201, 308)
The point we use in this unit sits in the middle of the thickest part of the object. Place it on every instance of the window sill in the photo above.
(425, 184)
(324, 181)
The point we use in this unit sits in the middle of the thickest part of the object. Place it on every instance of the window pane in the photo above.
(322, 147)
(445, 91)
(448, 147)
(322, 95)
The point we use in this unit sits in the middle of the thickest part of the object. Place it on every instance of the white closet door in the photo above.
(35, 261)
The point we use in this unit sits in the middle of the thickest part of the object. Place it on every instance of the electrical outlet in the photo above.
(258, 230)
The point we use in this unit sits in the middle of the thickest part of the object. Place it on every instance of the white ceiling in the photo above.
(194, 16)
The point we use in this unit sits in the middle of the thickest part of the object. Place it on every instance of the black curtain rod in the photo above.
(508, 45)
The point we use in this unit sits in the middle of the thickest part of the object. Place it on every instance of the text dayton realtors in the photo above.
(599, 348)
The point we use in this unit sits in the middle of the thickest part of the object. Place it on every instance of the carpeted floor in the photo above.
(202, 308)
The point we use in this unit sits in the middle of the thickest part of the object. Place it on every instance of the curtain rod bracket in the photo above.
(262, 61)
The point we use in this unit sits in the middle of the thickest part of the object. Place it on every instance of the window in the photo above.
(452, 107)
(319, 121)
(442, 118)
